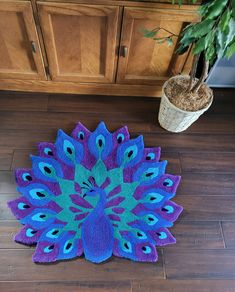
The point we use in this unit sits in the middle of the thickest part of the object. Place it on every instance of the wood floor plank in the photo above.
(7, 182)
(7, 231)
(22, 139)
(211, 208)
(87, 103)
(205, 184)
(197, 235)
(5, 159)
(19, 263)
(81, 286)
(223, 101)
(199, 264)
(184, 286)
(16, 101)
(5, 213)
(21, 158)
(136, 121)
(229, 233)
(191, 142)
(173, 165)
(52, 121)
(208, 162)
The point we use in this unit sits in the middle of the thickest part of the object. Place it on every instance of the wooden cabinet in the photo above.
(80, 41)
(142, 60)
(90, 47)
(20, 53)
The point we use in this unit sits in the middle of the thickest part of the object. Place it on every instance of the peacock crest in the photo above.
(97, 193)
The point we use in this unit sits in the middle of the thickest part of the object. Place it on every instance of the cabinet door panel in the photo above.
(19, 46)
(80, 41)
(146, 61)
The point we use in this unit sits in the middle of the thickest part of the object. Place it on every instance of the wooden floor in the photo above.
(203, 258)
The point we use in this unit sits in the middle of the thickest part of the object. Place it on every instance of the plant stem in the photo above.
(204, 74)
(193, 72)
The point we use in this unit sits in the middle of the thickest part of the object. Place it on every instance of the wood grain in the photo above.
(19, 262)
(202, 208)
(208, 162)
(229, 234)
(7, 185)
(5, 159)
(17, 32)
(197, 235)
(7, 231)
(208, 184)
(185, 286)
(200, 264)
(81, 286)
(12, 101)
(80, 41)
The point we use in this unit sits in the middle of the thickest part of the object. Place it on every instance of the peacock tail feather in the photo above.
(97, 193)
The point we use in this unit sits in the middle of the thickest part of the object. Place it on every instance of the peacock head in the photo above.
(90, 187)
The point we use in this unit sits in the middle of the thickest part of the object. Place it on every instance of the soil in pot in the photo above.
(176, 91)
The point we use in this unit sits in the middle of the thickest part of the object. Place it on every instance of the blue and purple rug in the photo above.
(97, 193)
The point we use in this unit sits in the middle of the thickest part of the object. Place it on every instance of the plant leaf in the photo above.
(216, 8)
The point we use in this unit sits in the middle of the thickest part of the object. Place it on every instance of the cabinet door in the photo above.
(141, 59)
(20, 54)
(80, 41)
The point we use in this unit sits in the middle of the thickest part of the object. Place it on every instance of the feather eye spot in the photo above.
(151, 219)
(130, 153)
(23, 206)
(55, 232)
(69, 150)
(168, 182)
(120, 138)
(168, 209)
(48, 151)
(148, 174)
(49, 248)
(40, 195)
(81, 135)
(68, 245)
(150, 156)
(146, 249)
(30, 232)
(47, 169)
(100, 143)
(162, 235)
(42, 216)
(127, 247)
(27, 177)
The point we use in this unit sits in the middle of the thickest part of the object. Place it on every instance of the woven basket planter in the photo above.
(174, 119)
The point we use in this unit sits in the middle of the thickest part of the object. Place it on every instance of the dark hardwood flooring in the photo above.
(203, 258)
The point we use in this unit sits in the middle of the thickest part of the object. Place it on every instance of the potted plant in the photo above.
(185, 98)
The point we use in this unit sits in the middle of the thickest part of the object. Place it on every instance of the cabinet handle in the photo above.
(34, 47)
(124, 51)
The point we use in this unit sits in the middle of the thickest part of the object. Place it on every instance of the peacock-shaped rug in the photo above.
(97, 193)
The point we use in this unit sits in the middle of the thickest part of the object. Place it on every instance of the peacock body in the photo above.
(97, 193)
